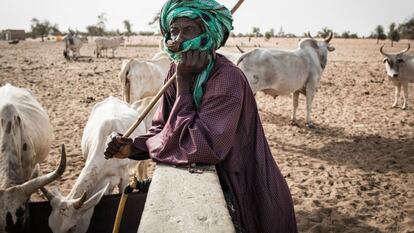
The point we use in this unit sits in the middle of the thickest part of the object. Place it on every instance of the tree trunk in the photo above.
(42, 38)
(392, 43)
(377, 40)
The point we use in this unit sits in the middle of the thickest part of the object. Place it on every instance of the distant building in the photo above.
(11, 34)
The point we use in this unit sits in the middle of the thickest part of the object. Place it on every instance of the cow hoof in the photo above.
(404, 108)
(310, 125)
(394, 106)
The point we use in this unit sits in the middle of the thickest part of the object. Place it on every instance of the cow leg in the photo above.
(295, 107)
(310, 93)
(405, 88)
(396, 95)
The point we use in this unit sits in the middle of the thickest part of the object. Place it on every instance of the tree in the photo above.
(407, 28)
(127, 26)
(256, 31)
(324, 32)
(54, 30)
(101, 24)
(94, 30)
(270, 34)
(281, 32)
(41, 29)
(393, 34)
(379, 33)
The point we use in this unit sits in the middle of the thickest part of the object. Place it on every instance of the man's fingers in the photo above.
(111, 151)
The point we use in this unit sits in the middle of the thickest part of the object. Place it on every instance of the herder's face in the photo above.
(183, 29)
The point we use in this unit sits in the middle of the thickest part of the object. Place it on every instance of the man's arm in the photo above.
(203, 135)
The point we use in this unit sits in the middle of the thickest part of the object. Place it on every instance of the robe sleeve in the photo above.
(203, 135)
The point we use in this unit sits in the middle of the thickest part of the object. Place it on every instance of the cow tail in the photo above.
(125, 82)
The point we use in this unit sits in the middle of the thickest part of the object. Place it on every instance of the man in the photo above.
(209, 116)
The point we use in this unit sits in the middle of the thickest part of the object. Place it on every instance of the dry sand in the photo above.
(353, 173)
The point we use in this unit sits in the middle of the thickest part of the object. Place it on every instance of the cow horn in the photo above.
(329, 38)
(404, 51)
(79, 202)
(382, 51)
(31, 185)
(47, 194)
(240, 50)
(309, 35)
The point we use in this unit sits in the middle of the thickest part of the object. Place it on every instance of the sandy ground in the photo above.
(353, 173)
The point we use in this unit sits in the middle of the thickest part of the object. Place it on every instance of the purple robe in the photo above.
(224, 131)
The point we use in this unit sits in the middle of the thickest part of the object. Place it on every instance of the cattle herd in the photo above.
(26, 132)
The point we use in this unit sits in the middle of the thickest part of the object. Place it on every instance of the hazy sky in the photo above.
(295, 16)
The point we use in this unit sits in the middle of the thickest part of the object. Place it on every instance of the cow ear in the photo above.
(385, 59)
(331, 48)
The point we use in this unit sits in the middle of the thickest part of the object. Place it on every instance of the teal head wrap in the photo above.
(217, 21)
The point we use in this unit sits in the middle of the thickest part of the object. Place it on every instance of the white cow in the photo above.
(400, 71)
(25, 137)
(139, 106)
(99, 176)
(233, 57)
(140, 79)
(281, 72)
(107, 43)
(73, 45)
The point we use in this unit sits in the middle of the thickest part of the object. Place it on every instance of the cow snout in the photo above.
(395, 75)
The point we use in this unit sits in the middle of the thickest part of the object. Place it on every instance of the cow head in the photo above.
(322, 47)
(71, 215)
(15, 191)
(393, 62)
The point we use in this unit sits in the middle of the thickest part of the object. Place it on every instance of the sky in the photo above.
(294, 16)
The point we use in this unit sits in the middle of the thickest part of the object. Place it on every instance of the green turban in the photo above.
(217, 20)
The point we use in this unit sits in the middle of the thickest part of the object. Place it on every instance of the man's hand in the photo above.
(192, 63)
(118, 146)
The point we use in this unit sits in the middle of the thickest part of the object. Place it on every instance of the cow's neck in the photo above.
(90, 178)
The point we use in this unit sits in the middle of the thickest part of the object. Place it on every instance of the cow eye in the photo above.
(400, 60)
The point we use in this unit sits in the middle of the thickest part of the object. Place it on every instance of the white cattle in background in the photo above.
(107, 43)
(281, 72)
(25, 138)
(139, 106)
(142, 78)
(400, 71)
(99, 176)
(73, 44)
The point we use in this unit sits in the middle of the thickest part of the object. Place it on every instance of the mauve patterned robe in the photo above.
(225, 131)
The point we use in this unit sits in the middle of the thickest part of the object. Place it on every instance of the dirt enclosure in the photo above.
(353, 173)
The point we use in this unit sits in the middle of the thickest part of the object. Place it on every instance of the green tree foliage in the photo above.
(393, 34)
(43, 29)
(256, 31)
(128, 28)
(379, 33)
(99, 28)
(324, 32)
(407, 28)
